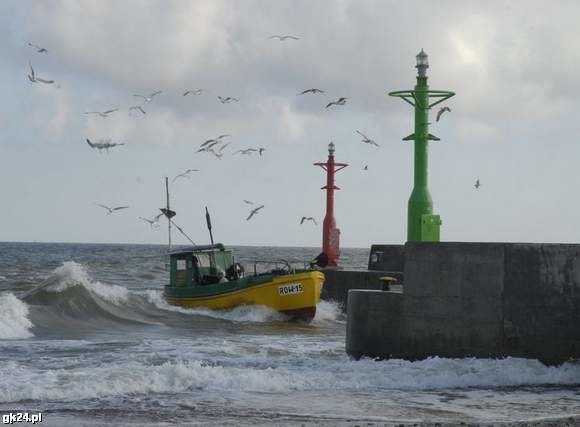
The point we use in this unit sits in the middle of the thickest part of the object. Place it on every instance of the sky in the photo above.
(514, 66)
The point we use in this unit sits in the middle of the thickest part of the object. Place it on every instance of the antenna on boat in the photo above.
(208, 220)
(168, 210)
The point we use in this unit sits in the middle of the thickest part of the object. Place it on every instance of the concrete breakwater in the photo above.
(468, 299)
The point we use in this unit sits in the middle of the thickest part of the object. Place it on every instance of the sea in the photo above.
(86, 339)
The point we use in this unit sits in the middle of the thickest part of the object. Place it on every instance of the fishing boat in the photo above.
(208, 276)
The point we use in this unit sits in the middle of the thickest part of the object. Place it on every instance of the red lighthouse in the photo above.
(330, 234)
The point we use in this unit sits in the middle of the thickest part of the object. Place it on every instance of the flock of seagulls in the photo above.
(214, 146)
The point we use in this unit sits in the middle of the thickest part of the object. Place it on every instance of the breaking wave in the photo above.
(14, 322)
(132, 377)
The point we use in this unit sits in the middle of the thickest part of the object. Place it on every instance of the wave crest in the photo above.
(14, 322)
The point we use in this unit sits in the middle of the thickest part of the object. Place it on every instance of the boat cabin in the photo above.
(203, 265)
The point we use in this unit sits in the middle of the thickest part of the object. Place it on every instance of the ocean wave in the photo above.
(20, 382)
(14, 322)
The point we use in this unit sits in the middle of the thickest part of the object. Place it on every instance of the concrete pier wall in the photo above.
(338, 282)
(474, 299)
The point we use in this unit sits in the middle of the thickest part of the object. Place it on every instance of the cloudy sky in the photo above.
(515, 66)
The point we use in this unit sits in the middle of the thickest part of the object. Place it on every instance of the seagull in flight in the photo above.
(150, 97)
(248, 202)
(34, 79)
(223, 146)
(103, 144)
(214, 141)
(102, 113)
(111, 210)
(137, 108)
(153, 222)
(283, 37)
(38, 48)
(441, 111)
(246, 151)
(254, 212)
(366, 168)
(477, 184)
(313, 90)
(195, 92)
(261, 150)
(367, 140)
(307, 218)
(184, 174)
(227, 99)
(339, 101)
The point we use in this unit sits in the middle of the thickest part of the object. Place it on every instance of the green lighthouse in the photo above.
(422, 224)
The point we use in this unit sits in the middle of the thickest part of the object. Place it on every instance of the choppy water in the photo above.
(86, 338)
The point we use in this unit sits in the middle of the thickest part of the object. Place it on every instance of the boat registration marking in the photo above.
(290, 288)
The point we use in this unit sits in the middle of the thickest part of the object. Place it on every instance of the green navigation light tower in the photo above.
(422, 224)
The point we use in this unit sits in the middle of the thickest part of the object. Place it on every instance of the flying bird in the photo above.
(223, 146)
(150, 97)
(195, 92)
(103, 144)
(441, 111)
(227, 99)
(339, 101)
(283, 37)
(248, 202)
(34, 79)
(111, 210)
(477, 184)
(307, 218)
(367, 140)
(102, 113)
(261, 150)
(38, 48)
(184, 174)
(246, 151)
(137, 108)
(153, 222)
(313, 90)
(366, 168)
(254, 212)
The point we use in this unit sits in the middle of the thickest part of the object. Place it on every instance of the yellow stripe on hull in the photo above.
(283, 294)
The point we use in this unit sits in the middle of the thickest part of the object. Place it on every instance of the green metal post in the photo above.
(422, 225)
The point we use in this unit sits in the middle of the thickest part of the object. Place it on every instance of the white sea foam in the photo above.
(73, 274)
(327, 311)
(14, 322)
(20, 382)
(245, 313)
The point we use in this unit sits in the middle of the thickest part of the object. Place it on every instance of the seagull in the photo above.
(441, 111)
(248, 202)
(313, 90)
(246, 151)
(184, 174)
(227, 99)
(137, 108)
(366, 168)
(195, 92)
(283, 37)
(111, 210)
(367, 140)
(150, 97)
(32, 77)
(477, 184)
(307, 218)
(339, 101)
(153, 222)
(254, 212)
(261, 150)
(102, 113)
(103, 144)
(38, 48)
(214, 140)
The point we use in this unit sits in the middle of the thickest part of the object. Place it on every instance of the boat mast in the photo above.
(168, 210)
(208, 220)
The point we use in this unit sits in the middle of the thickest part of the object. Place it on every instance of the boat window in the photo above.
(203, 260)
(181, 264)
